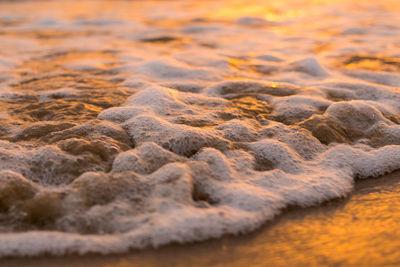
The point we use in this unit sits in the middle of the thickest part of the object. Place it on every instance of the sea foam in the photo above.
(186, 125)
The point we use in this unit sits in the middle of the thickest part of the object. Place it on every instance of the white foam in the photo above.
(255, 21)
(168, 70)
(232, 118)
(309, 66)
(376, 77)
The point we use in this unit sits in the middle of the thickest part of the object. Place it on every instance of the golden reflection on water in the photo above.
(338, 233)
(94, 90)
(374, 63)
(57, 61)
(268, 12)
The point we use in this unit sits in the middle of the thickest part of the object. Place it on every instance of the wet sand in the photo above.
(360, 230)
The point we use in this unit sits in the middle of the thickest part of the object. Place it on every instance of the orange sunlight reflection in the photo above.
(340, 232)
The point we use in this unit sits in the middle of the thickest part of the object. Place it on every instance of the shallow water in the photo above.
(361, 230)
(135, 124)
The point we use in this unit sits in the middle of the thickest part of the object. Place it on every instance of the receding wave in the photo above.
(140, 127)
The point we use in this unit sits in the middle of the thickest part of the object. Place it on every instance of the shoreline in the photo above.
(127, 124)
(330, 234)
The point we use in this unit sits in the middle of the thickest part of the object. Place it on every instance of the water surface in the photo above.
(131, 124)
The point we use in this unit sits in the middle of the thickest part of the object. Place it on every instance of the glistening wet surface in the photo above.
(136, 124)
(360, 230)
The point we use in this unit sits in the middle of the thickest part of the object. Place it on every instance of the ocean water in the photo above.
(131, 124)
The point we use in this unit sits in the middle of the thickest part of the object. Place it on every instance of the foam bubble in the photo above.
(309, 66)
(181, 139)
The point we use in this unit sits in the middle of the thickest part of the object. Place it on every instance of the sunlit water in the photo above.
(130, 124)
(361, 230)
